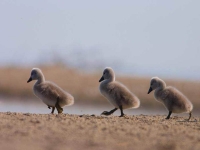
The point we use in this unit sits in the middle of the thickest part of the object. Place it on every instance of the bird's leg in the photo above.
(122, 114)
(107, 113)
(190, 115)
(170, 112)
(49, 107)
(59, 109)
(53, 108)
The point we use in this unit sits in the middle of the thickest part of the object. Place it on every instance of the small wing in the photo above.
(49, 91)
(120, 93)
(165, 94)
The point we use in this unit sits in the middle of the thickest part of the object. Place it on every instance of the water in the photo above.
(75, 109)
(42, 108)
(37, 107)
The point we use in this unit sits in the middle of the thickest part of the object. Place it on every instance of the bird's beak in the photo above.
(150, 89)
(102, 78)
(29, 80)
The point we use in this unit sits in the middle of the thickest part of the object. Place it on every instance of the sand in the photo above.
(20, 131)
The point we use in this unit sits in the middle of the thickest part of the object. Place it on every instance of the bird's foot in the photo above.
(106, 113)
(187, 120)
(60, 110)
(122, 115)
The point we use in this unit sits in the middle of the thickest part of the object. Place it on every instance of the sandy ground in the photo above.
(63, 132)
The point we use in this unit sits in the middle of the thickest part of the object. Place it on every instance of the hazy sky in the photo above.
(151, 37)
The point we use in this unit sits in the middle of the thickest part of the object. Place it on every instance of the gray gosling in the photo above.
(170, 97)
(116, 93)
(52, 95)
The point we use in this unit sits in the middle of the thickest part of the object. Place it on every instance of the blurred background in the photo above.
(73, 41)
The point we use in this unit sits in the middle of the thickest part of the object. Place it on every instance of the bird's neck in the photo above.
(40, 80)
(108, 80)
(111, 79)
(161, 87)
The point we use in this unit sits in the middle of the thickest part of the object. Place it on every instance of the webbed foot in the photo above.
(59, 109)
(122, 115)
(106, 113)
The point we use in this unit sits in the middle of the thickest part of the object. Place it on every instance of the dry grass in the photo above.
(84, 86)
